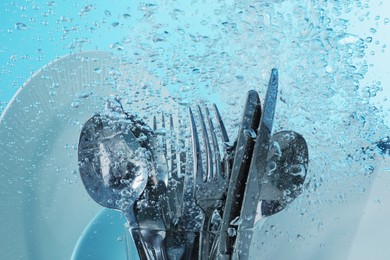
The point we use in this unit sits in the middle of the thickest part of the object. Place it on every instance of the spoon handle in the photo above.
(139, 244)
(136, 234)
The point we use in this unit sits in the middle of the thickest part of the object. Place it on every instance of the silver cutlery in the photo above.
(287, 165)
(257, 169)
(238, 177)
(113, 167)
(198, 204)
(210, 181)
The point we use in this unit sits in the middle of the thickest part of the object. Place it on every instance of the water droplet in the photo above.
(236, 222)
(107, 13)
(114, 24)
(20, 26)
(83, 94)
(75, 104)
(368, 39)
(347, 38)
(86, 9)
(250, 133)
(232, 232)
(117, 46)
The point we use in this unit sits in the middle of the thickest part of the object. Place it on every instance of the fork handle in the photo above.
(204, 241)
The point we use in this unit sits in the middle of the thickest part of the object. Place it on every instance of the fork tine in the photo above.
(217, 155)
(195, 148)
(225, 136)
(164, 135)
(183, 153)
(209, 163)
(162, 143)
(154, 123)
(225, 139)
(173, 165)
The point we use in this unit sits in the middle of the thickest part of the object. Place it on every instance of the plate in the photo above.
(104, 238)
(45, 207)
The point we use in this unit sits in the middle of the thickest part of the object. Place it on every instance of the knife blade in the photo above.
(238, 177)
(257, 169)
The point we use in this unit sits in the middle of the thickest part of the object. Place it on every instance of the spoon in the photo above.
(280, 183)
(286, 170)
(113, 167)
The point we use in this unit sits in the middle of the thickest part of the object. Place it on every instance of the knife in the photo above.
(238, 177)
(257, 170)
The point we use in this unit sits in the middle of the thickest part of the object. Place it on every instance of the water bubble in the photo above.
(347, 38)
(272, 166)
(114, 71)
(126, 16)
(250, 133)
(386, 20)
(114, 24)
(232, 232)
(236, 222)
(83, 94)
(107, 13)
(117, 46)
(368, 39)
(86, 9)
(20, 26)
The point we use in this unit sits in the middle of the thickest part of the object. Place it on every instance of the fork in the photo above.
(211, 180)
(170, 138)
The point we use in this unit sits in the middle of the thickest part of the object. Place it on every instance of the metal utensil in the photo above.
(169, 184)
(166, 142)
(238, 177)
(256, 170)
(287, 165)
(113, 167)
(211, 183)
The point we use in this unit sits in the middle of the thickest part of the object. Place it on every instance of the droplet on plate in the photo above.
(83, 94)
(75, 104)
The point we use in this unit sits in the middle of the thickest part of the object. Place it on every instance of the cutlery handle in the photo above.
(139, 244)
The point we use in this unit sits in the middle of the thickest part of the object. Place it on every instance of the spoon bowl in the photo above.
(112, 164)
(287, 165)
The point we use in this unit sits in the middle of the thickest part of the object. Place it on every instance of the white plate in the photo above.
(44, 206)
(104, 238)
